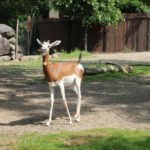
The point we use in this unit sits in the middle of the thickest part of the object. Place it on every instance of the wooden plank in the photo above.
(145, 34)
(110, 39)
(133, 34)
(95, 38)
(148, 32)
(77, 35)
(121, 36)
(141, 36)
(128, 34)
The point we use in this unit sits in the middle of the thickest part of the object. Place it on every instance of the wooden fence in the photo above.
(133, 34)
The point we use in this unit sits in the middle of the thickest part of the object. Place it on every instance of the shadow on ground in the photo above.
(24, 97)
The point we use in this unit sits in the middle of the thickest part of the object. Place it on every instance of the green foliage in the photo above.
(128, 6)
(89, 12)
(10, 10)
(98, 11)
(101, 139)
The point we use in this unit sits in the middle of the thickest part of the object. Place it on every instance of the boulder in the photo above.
(12, 41)
(19, 56)
(6, 31)
(12, 47)
(5, 58)
(4, 46)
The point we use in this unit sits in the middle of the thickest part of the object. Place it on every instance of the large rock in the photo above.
(12, 47)
(6, 31)
(12, 40)
(5, 58)
(4, 46)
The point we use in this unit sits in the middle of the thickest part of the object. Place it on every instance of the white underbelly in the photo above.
(67, 80)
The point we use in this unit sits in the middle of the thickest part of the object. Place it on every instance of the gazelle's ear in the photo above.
(38, 41)
(48, 41)
(55, 43)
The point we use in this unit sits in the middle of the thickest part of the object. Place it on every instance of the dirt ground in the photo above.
(117, 103)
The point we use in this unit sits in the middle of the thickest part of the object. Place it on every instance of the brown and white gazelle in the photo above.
(62, 74)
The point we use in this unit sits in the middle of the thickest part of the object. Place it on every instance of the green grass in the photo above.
(36, 65)
(96, 139)
(73, 55)
(137, 71)
(31, 64)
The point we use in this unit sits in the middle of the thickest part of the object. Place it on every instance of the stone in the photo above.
(5, 58)
(12, 47)
(4, 46)
(12, 52)
(19, 56)
(12, 41)
(6, 31)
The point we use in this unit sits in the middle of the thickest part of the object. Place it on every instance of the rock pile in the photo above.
(7, 42)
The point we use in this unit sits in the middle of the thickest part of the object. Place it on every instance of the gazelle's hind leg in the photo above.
(62, 89)
(77, 89)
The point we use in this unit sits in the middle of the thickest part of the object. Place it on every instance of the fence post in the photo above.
(16, 49)
(29, 32)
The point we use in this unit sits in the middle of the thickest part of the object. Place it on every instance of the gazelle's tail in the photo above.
(80, 56)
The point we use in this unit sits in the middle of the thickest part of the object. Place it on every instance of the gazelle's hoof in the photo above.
(76, 118)
(70, 122)
(48, 123)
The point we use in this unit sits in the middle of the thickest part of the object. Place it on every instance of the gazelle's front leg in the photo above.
(62, 89)
(52, 104)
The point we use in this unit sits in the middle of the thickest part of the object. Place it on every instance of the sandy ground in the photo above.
(24, 104)
(139, 57)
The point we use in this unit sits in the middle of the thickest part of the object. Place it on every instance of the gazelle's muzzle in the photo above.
(44, 51)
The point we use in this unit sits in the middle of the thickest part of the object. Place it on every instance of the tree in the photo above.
(10, 10)
(89, 12)
(134, 6)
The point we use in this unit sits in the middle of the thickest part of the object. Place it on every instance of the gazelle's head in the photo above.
(45, 46)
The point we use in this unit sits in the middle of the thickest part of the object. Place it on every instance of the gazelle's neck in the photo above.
(45, 59)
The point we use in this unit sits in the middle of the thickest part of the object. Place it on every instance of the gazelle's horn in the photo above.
(38, 41)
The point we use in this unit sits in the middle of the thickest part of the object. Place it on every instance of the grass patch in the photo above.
(35, 67)
(73, 55)
(138, 71)
(30, 64)
(141, 70)
(96, 139)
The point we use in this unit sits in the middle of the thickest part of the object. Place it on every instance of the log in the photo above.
(122, 67)
(110, 68)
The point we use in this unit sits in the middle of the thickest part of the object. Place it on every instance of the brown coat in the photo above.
(56, 71)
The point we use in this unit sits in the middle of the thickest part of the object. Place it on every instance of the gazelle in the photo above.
(62, 74)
